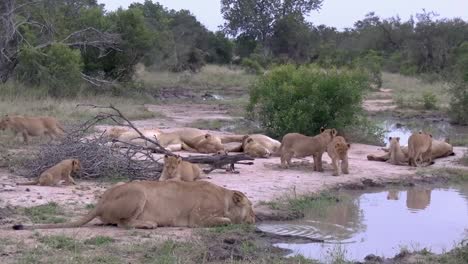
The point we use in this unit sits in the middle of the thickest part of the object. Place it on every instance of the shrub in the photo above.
(251, 66)
(429, 100)
(58, 68)
(372, 62)
(459, 89)
(290, 99)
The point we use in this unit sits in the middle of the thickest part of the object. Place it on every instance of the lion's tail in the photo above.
(90, 216)
(35, 182)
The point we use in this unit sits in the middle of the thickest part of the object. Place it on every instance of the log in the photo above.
(220, 161)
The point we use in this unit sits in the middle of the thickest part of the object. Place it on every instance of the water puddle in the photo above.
(403, 128)
(381, 222)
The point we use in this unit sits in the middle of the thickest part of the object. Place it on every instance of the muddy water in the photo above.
(381, 222)
(404, 128)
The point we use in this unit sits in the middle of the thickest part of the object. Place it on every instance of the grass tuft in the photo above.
(47, 213)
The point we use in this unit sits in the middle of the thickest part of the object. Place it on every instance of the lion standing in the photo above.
(32, 126)
(419, 148)
(338, 151)
(299, 146)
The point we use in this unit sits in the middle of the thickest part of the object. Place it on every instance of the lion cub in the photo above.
(61, 171)
(300, 146)
(177, 169)
(397, 156)
(338, 151)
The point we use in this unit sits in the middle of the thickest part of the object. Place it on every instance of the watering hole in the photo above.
(404, 128)
(381, 222)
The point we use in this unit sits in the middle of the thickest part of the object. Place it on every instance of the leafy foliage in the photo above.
(290, 99)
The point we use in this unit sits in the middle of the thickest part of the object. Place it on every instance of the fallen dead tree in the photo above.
(101, 158)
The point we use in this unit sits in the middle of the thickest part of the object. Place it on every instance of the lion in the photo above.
(152, 204)
(177, 169)
(338, 151)
(419, 148)
(32, 126)
(260, 146)
(299, 146)
(396, 154)
(189, 139)
(61, 171)
(439, 149)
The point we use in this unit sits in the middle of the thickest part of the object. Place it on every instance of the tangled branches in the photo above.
(98, 158)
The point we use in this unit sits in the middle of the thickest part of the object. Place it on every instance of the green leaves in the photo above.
(290, 99)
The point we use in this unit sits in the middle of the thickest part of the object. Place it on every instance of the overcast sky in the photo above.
(337, 13)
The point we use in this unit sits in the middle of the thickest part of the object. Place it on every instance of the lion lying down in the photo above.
(189, 139)
(399, 155)
(149, 204)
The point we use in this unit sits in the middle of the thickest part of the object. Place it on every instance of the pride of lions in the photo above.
(178, 198)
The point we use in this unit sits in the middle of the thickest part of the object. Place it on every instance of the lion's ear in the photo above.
(179, 160)
(349, 145)
(333, 132)
(430, 135)
(390, 139)
(166, 156)
(398, 139)
(322, 129)
(207, 136)
(249, 140)
(237, 197)
(74, 162)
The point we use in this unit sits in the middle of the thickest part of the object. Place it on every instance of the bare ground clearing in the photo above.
(263, 181)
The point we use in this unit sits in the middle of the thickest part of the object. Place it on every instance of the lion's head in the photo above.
(241, 211)
(5, 122)
(76, 165)
(171, 164)
(210, 144)
(254, 149)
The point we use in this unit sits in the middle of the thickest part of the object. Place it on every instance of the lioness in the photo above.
(260, 146)
(439, 149)
(419, 148)
(190, 139)
(61, 171)
(338, 151)
(149, 204)
(299, 146)
(177, 169)
(32, 126)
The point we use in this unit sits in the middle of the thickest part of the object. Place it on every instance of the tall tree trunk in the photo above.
(8, 39)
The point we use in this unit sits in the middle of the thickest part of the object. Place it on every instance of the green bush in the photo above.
(251, 66)
(372, 62)
(459, 89)
(58, 68)
(290, 99)
(429, 100)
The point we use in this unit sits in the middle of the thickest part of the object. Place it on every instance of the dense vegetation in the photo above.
(306, 98)
(51, 42)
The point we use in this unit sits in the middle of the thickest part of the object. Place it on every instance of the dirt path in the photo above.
(380, 101)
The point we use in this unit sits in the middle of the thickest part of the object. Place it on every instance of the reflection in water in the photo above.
(418, 199)
(393, 195)
(380, 222)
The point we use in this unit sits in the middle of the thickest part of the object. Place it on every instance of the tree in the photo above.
(256, 18)
(36, 26)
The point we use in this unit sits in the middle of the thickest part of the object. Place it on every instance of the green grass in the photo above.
(48, 213)
(454, 175)
(99, 240)
(61, 242)
(213, 78)
(414, 93)
(299, 204)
